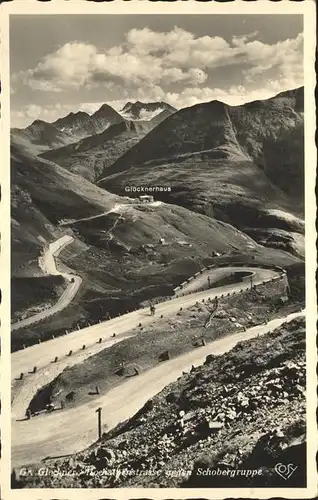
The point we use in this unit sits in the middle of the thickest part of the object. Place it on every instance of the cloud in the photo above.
(286, 56)
(235, 95)
(239, 41)
(30, 112)
(151, 59)
(175, 66)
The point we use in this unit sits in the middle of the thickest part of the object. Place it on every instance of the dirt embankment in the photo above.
(242, 410)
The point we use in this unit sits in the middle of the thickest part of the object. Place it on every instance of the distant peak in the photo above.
(76, 115)
(126, 106)
(105, 108)
(37, 122)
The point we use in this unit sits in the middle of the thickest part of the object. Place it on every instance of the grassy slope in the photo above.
(54, 191)
(268, 373)
(30, 231)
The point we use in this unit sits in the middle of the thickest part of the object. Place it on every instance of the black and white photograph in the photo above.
(161, 331)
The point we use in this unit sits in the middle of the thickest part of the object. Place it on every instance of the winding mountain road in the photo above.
(41, 355)
(55, 434)
(48, 265)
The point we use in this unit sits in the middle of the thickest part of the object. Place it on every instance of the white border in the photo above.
(307, 8)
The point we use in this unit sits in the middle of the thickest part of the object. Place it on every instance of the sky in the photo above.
(63, 63)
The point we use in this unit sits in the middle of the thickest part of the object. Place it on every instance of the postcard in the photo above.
(158, 314)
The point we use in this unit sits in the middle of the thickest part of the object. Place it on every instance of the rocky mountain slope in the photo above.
(41, 136)
(145, 110)
(77, 124)
(225, 161)
(82, 124)
(245, 409)
(91, 156)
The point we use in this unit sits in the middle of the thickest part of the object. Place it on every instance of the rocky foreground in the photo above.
(244, 410)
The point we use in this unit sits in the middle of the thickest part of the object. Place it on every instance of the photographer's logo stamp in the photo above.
(285, 471)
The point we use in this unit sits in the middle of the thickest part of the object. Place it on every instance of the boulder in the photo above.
(221, 416)
(106, 453)
(214, 426)
(164, 356)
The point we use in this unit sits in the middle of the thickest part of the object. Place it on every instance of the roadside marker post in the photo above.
(99, 422)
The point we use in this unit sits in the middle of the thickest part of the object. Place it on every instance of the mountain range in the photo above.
(228, 162)
(42, 136)
(91, 156)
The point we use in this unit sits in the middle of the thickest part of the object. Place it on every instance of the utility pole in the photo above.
(99, 422)
(251, 282)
